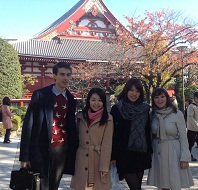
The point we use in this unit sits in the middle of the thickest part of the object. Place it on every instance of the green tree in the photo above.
(189, 91)
(10, 71)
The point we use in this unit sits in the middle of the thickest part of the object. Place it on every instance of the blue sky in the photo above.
(25, 18)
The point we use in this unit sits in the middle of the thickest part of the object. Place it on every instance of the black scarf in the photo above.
(138, 114)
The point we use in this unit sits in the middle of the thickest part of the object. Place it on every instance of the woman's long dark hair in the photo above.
(6, 101)
(159, 91)
(102, 96)
(138, 85)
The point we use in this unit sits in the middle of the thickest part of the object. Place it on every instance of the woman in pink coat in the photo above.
(7, 123)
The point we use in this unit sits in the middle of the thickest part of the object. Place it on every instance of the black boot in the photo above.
(193, 159)
(6, 141)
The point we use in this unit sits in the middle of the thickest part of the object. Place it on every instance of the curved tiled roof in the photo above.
(61, 19)
(72, 49)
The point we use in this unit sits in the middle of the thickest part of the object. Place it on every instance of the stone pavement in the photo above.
(9, 161)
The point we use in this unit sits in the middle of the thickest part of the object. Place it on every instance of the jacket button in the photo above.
(87, 155)
(87, 131)
(86, 169)
(87, 142)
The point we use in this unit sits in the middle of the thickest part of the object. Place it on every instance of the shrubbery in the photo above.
(20, 111)
(10, 74)
(16, 122)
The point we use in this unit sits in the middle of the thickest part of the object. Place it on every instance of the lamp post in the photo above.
(182, 49)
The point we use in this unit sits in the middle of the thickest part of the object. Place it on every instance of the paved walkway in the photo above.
(9, 161)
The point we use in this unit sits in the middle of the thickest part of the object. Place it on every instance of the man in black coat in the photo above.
(49, 137)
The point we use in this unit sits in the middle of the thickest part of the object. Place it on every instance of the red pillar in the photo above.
(21, 104)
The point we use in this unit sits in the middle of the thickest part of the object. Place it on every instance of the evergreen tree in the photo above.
(10, 72)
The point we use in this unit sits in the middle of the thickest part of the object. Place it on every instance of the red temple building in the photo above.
(79, 36)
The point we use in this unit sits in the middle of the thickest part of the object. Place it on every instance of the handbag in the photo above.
(114, 176)
(24, 179)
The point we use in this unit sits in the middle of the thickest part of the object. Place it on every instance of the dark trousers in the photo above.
(7, 135)
(57, 163)
(192, 136)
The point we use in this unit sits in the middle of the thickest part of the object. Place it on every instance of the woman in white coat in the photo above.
(171, 156)
(93, 157)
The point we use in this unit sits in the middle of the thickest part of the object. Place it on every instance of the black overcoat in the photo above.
(128, 161)
(37, 131)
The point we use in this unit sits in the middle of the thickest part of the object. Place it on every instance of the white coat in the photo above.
(166, 171)
(192, 117)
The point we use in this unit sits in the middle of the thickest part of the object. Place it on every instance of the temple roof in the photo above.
(60, 20)
(49, 45)
(67, 49)
(67, 21)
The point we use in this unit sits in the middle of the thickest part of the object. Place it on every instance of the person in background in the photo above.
(174, 101)
(131, 150)
(6, 118)
(95, 128)
(171, 156)
(187, 103)
(49, 137)
(192, 123)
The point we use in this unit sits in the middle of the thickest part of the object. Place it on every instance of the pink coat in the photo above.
(6, 114)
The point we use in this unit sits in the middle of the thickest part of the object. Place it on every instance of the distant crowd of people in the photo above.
(134, 137)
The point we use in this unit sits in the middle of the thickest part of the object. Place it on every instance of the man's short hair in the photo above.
(196, 94)
(61, 65)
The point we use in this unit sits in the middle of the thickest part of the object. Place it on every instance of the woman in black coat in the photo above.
(131, 140)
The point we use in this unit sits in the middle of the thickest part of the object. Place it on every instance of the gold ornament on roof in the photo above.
(91, 3)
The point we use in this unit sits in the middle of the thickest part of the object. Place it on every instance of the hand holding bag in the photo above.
(24, 179)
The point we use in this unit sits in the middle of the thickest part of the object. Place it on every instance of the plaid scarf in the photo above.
(138, 114)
